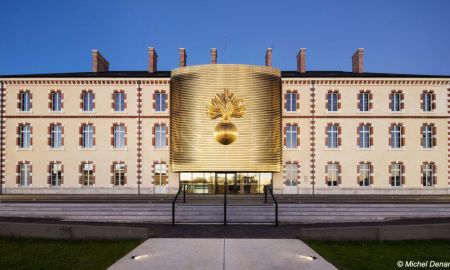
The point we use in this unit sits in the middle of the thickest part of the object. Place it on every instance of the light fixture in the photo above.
(139, 257)
(306, 257)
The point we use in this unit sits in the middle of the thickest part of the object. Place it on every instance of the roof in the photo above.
(108, 74)
(348, 74)
(166, 74)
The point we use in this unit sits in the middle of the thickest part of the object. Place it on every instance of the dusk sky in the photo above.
(58, 36)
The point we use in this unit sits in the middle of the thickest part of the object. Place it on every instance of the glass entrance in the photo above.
(225, 179)
(214, 182)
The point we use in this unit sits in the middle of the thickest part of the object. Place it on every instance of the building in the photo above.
(223, 128)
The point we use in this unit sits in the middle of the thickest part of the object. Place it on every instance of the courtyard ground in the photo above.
(46, 254)
(382, 255)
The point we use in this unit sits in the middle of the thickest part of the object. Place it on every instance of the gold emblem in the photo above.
(226, 105)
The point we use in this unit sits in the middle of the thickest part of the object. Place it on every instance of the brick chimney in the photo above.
(269, 57)
(358, 61)
(183, 57)
(99, 63)
(213, 56)
(152, 60)
(301, 60)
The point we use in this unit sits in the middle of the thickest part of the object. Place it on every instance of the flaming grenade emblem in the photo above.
(226, 105)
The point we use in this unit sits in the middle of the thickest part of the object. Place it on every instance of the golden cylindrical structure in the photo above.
(257, 144)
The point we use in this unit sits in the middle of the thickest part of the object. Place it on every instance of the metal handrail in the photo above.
(182, 187)
(269, 188)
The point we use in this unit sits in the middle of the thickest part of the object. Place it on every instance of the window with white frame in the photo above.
(427, 101)
(87, 136)
(291, 174)
(291, 101)
(160, 100)
(333, 99)
(160, 136)
(56, 101)
(396, 101)
(332, 136)
(55, 174)
(396, 136)
(396, 174)
(364, 99)
(428, 174)
(119, 101)
(88, 101)
(119, 136)
(25, 101)
(427, 136)
(119, 174)
(364, 174)
(291, 136)
(87, 174)
(161, 176)
(56, 136)
(24, 136)
(364, 136)
(24, 174)
(332, 174)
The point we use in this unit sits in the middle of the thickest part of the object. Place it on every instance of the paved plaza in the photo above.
(223, 254)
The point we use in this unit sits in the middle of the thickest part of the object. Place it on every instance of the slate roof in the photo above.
(166, 74)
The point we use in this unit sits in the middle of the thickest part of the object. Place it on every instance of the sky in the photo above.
(399, 36)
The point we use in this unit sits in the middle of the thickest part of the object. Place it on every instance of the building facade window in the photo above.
(428, 101)
(396, 136)
(333, 136)
(119, 136)
(160, 99)
(333, 174)
(365, 101)
(56, 101)
(291, 139)
(119, 170)
(24, 136)
(291, 174)
(87, 100)
(396, 101)
(161, 177)
(87, 136)
(365, 136)
(119, 101)
(291, 101)
(428, 136)
(24, 101)
(428, 170)
(87, 174)
(24, 173)
(55, 139)
(397, 174)
(365, 174)
(160, 138)
(55, 174)
(333, 101)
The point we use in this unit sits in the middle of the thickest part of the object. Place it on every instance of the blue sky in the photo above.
(57, 36)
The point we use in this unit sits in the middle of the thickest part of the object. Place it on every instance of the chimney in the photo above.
(213, 56)
(152, 60)
(183, 57)
(269, 57)
(358, 61)
(301, 60)
(99, 63)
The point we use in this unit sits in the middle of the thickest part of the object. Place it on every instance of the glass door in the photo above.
(230, 180)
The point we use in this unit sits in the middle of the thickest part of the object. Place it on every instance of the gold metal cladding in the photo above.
(225, 105)
(193, 146)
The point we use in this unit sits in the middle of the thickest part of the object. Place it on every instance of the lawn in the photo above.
(381, 255)
(36, 254)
